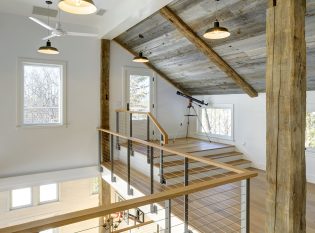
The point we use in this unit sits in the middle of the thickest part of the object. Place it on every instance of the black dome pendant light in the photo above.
(48, 49)
(140, 58)
(216, 32)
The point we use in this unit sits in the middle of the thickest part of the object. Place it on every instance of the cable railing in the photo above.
(148, 177)
(175, 189)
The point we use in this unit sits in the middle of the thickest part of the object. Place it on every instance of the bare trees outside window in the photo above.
(217, 121)
(42, 94)
(310, 131)
(139, 94)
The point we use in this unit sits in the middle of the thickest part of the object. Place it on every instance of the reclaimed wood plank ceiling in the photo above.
(245, 50)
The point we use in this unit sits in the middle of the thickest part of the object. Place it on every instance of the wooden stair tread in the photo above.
(202, 169)
(213, 156)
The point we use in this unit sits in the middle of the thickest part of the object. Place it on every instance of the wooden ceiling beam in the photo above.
(181, 26)
(152, 67)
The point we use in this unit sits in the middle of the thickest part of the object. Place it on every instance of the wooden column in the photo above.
(104, 200)
(104, 95)
(286, 107)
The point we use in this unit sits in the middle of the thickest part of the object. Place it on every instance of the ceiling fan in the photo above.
(58, 31)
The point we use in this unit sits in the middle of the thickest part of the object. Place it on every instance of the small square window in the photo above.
(21, 197)
(48, 193)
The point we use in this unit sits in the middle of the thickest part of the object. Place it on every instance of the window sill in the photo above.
(215, 136)
(42, 126)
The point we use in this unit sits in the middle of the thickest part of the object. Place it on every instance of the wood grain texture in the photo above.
(104, 96)
(245, 50)
(208, 51)
(157, 71)
(286, 107)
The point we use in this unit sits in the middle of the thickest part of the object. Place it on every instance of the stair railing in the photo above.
(149, 118)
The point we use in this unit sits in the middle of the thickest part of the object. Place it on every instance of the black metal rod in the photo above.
(117, 130)
(151, 159)
(130, 132)
(168, 212)
(247, 205)
(129, 190)
(186, 213)
(100, 151)
(162, 180)
(113, 178)
(148, 137)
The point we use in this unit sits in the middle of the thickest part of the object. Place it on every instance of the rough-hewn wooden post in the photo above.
(104, 95)
(104, 200)
(286, 107)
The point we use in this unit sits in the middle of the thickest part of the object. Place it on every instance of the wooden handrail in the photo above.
(207, 161)
(82, 215)
(153, 119)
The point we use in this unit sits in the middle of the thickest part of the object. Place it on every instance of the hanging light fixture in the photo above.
(140, 58)
(48, 49)
(216, 32)
(79, 7)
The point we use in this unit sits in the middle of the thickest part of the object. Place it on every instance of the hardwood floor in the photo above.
(209, 210)
(258, 193)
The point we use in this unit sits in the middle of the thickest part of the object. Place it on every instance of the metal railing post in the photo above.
(168, 216)
(245, 206)
(186, 213)
(129, 189)
(153, 207)
(148, 137)
(162, 180)
(113, 178)
(130, 128)
(100, 151)
(117, 131)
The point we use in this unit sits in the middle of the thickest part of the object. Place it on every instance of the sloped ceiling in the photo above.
(245, 50)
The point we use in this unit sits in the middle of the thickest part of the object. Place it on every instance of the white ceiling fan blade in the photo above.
(41, 23)
(81, 34)
(48, 37)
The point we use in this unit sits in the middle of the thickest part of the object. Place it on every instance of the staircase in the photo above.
(174, 165)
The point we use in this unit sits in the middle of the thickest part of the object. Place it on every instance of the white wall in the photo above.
(250, 127)
(32, 150)
(170, 108)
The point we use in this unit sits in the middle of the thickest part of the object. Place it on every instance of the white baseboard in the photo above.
(15, 182)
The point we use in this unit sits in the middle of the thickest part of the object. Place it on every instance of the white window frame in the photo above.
(127, 71)
(219, 106)
(55, 230)
(20, 91)
(35, 197)
(22, 206)
(50, 201)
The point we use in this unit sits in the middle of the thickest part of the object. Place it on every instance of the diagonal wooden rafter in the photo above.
(149, 65)
(181, 26)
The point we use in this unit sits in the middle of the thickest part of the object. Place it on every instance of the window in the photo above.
(48, 193)
(310, 131)
(139, 91)
(95, 185)
(139, 95)
(32, 196)
(21, 197)
(42, 88)
(217, 121)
